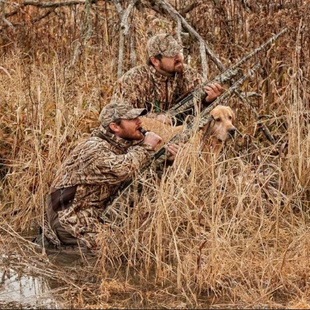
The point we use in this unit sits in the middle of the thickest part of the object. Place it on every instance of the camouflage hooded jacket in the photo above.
(98, 166)
(144, 87)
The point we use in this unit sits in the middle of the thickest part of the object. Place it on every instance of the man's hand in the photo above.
(213, 91)
(172, 151)
(152, 139)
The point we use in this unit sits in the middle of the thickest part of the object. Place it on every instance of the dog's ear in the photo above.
(232, 113)
(233, 116)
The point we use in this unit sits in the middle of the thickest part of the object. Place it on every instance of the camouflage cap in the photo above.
(163, 44)
(116, 110)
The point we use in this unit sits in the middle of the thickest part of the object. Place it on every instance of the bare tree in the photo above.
(124, 32)
(10, 9)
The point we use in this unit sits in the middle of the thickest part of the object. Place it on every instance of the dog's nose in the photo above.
(232, 131)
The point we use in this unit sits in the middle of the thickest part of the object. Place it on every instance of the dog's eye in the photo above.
(218, 119)
(230, 117)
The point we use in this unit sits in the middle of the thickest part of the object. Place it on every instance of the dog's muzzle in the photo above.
(232, 132)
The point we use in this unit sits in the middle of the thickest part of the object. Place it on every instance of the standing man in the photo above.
(93, 172)
(165, 78)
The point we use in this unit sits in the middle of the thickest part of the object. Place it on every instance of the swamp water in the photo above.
(24, 292)
(29, 285)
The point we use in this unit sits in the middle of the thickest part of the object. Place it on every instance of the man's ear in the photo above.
(154, 61)
(114, 127)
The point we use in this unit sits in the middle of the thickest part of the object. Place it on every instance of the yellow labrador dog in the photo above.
(213, 135)
(220, 129)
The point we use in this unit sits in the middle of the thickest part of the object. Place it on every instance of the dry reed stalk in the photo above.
(231, 233)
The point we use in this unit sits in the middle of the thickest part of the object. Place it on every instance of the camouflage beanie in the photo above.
(116, 110)
(163, 44)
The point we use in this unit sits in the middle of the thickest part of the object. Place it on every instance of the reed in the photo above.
(231, 232)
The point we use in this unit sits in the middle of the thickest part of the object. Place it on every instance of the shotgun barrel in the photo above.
(187, 103)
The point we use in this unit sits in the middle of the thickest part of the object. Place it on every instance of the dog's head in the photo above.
(221, 127)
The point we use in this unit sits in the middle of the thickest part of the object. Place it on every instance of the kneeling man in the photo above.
(93, 172)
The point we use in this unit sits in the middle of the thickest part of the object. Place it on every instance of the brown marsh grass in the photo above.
(230, 233)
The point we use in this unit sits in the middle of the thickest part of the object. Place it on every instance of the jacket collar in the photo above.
(160, 77)
(118, 142)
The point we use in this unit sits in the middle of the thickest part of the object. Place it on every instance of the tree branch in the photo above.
(194, 33)
(58, 4)
(4, 17)
(189, 8)
(133, 56)
(86, 31)
(124, 31)
(43, 15)
(124, 22)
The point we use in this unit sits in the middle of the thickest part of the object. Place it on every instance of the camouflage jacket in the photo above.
(98, 166)
(144, 87)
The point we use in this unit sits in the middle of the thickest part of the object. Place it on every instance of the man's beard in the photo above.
(178, 67)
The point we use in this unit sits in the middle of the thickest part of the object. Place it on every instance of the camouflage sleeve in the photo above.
(107, 166)
(95, 163)
(133, 87)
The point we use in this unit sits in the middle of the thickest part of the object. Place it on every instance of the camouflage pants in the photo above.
(61, 233)
(84, 228)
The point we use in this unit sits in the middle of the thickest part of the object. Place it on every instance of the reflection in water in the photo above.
(20, 288)
(23, 291)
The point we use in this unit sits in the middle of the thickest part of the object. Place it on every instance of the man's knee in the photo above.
(63, 235)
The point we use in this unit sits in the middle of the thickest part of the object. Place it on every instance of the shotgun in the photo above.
(189, 130)
(203, 117)
(187, 103)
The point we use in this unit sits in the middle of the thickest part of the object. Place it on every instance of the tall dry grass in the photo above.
(226, 233)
